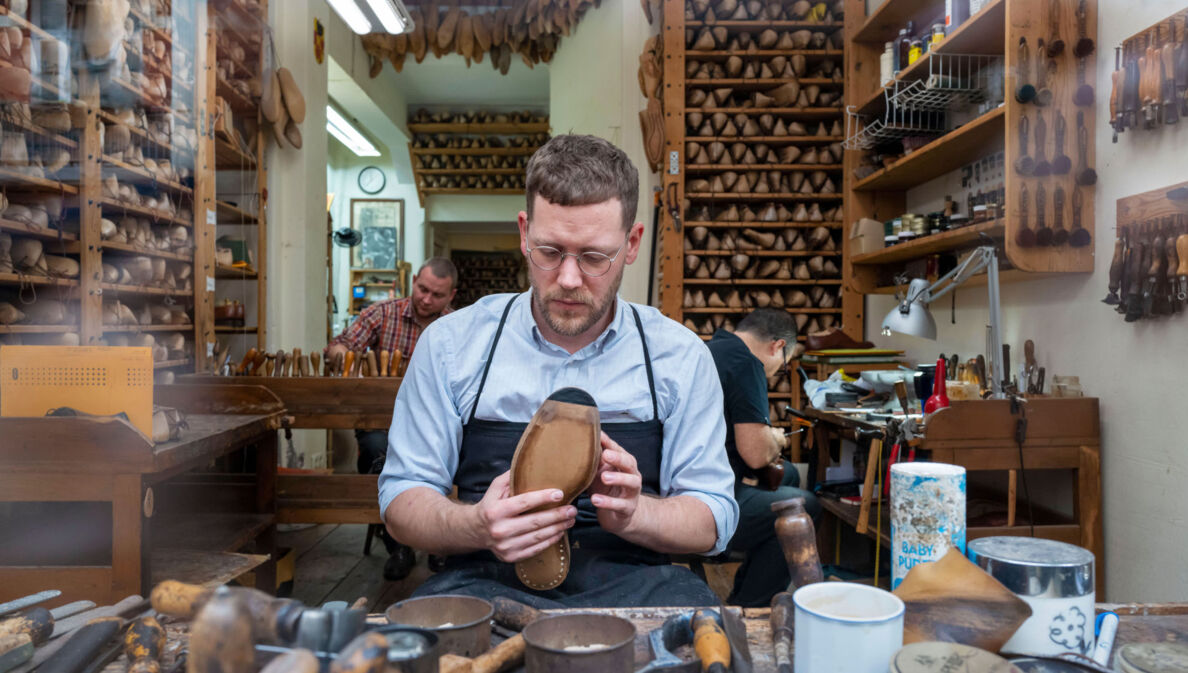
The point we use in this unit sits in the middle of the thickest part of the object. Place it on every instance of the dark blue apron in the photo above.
(607, 570)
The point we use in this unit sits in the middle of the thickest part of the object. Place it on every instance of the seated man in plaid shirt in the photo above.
(389, 326)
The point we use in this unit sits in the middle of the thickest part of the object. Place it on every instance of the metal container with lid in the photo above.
(1055, 578)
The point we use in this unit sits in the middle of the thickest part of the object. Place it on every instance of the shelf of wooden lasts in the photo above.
(122, 270)
(993, 34)
(475, 152)
(483, 273)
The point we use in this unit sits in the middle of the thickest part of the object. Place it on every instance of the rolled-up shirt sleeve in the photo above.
(695, 462)
(426, 431)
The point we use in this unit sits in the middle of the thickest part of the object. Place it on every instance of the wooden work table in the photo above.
(979, 435)
(151, 521)
(1137, 623)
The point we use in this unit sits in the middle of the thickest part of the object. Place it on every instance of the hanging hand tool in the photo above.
(1024, 92)
(1061, 164)
(1168, 291)
(1182, 269)
(315, 360)
(1130, 92)
(26, 601)
(783, 613)
(221, 636)
(144, 641)
(1055, 42)
(1043, 234)
(1084, 95)
(1149, 63)
(1116, 272)
(710, 643)
(1006, 368)
(1025, 237)
(1182, 67)
(1118, 77)
(1154, 271)
(1171, 106)
(1043, 95)
(1059, 233)
(1136, 265)
(1086, 175)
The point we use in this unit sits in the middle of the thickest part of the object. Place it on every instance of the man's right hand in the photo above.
(511, 533)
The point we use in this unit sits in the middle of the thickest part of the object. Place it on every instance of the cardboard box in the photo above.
(866, 235)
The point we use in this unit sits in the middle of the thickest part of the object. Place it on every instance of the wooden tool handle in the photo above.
(1182, 251)
(783, 612)
(303, 365)
(1173, 258)
(269, 365)
(144, 641)
(1134, 265)
(287, 363)
(368, 653)
(1116, 265)
(348, 364)
(1158, 257)
(221, 636)
(372, 365)
(247, 359)
(35, 622)
(397, 362)
(178, 599)
(15, 650)
(258, 362)
(505, 655)
(293, 661)
(868, 487)
(83, 646)
(296, 362)
(315, 360)
(384, 358)
(513, 614)
(710, 643)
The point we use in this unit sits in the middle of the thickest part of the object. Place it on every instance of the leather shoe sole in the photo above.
(559, 449)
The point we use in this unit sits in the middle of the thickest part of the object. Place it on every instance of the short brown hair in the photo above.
(579, 170)
(442, 268)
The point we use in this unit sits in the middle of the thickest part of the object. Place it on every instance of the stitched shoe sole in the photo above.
(559, 449)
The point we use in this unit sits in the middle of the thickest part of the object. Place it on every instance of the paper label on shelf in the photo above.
(211, 217)
(209, 349)
(674, 162)
(210, 283)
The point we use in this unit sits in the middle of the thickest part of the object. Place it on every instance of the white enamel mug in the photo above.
(846, 628)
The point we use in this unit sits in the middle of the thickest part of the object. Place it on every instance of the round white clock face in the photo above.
(372, 179)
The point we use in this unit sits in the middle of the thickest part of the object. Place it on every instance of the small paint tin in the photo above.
(936, 657)
(1055, 579)
(1153, 658)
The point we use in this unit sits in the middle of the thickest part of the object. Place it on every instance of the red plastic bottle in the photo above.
(939, 399)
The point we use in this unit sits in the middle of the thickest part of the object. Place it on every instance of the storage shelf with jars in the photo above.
(1023, 104)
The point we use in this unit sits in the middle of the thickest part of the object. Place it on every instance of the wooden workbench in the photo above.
(356, 403)
(1138, 623)
(979, 435)
(145, 528)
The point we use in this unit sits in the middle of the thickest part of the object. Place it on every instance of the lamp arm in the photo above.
(980, 259)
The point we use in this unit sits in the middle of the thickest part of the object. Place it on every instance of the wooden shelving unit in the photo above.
(484, 273)
(994, 31)
(446, 160)
(823, 65)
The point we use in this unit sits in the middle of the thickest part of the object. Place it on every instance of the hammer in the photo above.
(508, 654)
(143, 643)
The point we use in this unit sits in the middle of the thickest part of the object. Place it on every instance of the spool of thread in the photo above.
(927, 514)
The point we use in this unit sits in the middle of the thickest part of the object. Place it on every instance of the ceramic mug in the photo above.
(831, 617)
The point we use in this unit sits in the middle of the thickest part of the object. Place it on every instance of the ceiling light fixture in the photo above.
(374, 16)
(348, 135)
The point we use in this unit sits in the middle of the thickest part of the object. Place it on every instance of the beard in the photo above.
(576, 320)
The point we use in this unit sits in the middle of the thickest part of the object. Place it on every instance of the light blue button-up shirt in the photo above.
(442, 381)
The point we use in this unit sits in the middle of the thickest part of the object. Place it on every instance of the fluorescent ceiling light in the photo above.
(340, 128)
(352, 15)
(386, 12)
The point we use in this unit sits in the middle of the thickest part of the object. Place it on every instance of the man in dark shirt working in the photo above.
(758, 349)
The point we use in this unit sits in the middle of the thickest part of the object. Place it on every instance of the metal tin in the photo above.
(1035, 567)
(1056, 581)
(410, 650)
(1153, 658)
(469, 620)
(580, 643)
(935, 657)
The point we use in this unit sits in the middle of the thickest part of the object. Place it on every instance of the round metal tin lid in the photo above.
(1035, 567)
(935, 657)
(1153, 658)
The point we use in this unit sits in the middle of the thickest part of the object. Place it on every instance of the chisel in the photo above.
(1139, 259)
(82, 646)
(247, 359)
(26, 601)
(710, 643)
(783, 612)
(64, 611)
(36, 622)
(384, 359)
(15, 649)
(297, 362)
(397, 360)
(144, 641)
(315, 361)
(1116, 273)
(372, 366)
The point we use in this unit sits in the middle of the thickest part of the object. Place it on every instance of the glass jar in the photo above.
(938, 35)
(915, 51)
(887, 64)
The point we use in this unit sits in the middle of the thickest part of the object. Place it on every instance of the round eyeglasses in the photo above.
(593, 264)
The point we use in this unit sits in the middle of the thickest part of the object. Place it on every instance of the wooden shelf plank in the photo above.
(759, 281)
(492, 128)
(949, 152)
(884, 24)
(234, 273)
(231, 214)
(12, 121)
(10, 179)
(228, 329)
(770, 140)
(22, 22)
(205, 531)
(814, 113)
(929, 245)
(473, 151)
(205, 568)
(781, 196)
(131, 249)
(743, 309)
(979, 280)
(719, 168)
(157, 216)
(236, 100)
(125, 172)
(761, 53)
(763, 225)
(148, 328)
(52, 235)
(758, 83)
(37, 329)
(169, 364)
(145, 290)
(229, 157)
(761, 24)
(18, 279)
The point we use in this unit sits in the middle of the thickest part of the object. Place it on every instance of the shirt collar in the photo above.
(527, 322)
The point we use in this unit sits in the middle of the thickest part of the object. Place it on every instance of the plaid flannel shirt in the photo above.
(385, 326)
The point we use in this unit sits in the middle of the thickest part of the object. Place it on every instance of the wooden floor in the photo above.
(330, 566)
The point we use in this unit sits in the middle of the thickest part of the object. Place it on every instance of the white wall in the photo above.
(593, 88)
(1135, 369)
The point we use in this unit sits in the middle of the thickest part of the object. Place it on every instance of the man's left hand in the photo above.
(616, 487)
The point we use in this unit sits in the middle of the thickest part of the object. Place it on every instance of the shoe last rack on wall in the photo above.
(753, 128)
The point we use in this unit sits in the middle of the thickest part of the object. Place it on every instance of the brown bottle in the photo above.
(798, 539)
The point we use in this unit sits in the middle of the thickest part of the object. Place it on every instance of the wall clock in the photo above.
(372, 180)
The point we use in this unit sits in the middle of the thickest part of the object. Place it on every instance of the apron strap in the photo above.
(491, 356)
(647, 364)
